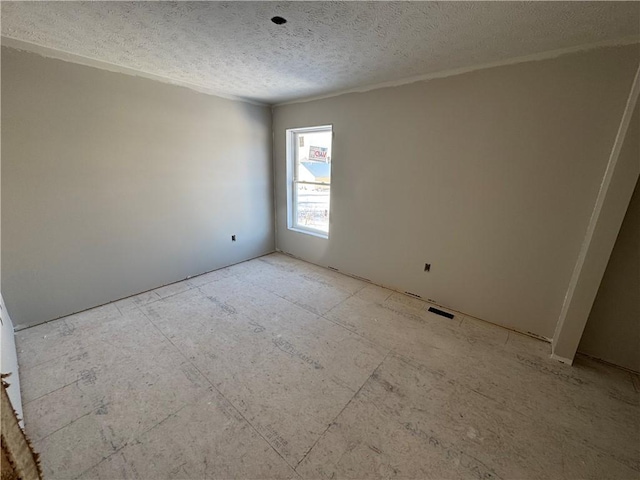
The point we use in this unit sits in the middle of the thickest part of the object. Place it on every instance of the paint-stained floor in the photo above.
(275, 368)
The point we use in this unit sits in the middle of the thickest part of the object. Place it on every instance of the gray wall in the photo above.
(490, 176)
(114, 184)
(613, 329)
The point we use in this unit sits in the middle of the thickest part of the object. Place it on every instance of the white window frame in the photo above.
(292, 181)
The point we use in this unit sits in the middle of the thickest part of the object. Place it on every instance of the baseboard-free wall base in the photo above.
(607, 362)
(24, 327)
(404, 210)
(403, 292)
(153, 229)
(553, 356)
(561, 359)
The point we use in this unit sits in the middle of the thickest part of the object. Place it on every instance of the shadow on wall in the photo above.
(613, 329)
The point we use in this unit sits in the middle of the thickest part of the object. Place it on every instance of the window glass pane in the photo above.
(313, 156)
(312, 202)
(309, 173)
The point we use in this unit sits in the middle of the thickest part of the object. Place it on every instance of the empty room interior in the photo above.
(320, 240)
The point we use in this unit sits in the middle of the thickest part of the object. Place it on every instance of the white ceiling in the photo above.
(234, 49)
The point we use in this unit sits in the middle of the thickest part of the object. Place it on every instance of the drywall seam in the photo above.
(604, 188)
(112, 67)
(393, 289)
(459, 71)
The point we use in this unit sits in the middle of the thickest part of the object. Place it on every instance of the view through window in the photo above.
(309, 156)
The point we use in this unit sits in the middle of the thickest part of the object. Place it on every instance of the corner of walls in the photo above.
(273, 178)
(145, 193)
(616, 189)
(502, 214)
(56, 54)
(612, 333)
(567, 361)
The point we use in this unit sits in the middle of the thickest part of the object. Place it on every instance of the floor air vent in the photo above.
(440, 312)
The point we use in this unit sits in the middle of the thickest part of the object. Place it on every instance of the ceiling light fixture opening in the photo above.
(279, 20)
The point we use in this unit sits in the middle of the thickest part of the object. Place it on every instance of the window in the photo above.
(309, 179)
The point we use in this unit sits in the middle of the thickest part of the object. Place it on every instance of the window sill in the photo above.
(310, 232)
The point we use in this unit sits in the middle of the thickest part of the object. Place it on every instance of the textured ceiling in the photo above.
(234, 49)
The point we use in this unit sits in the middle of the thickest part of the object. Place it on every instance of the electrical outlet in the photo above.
(427, 267)
(233, 238)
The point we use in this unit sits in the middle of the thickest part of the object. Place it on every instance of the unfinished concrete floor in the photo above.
(275, 368)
